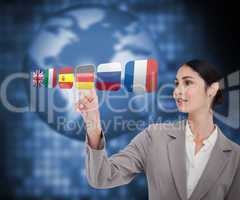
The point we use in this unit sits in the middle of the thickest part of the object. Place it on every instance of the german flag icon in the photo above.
(85, 77)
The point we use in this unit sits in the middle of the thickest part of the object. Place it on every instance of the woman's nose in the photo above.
(177, 92)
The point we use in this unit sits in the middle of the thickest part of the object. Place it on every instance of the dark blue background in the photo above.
(37, 163)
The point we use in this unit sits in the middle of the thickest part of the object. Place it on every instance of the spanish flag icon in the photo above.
(85, 77)
(66, 77)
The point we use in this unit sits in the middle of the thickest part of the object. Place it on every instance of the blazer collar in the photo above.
(179, 131)
(177, 159)
(216, 164)
(176, 154)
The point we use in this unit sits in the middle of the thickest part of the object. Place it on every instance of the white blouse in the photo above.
(196, 163)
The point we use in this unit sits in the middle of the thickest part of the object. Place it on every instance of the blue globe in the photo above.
(91, 35)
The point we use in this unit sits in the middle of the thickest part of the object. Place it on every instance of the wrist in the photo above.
(94, 129)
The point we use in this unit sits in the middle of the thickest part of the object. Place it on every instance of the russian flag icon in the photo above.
(141, 76)
(109, 76)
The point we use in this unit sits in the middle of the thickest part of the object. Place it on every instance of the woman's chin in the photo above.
(183, 109)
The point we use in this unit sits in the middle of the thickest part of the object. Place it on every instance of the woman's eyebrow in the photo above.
(185, 77)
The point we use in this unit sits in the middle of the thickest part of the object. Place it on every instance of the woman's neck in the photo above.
(201, 124)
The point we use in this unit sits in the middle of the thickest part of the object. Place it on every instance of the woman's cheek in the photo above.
(195, 98)
(189, 95)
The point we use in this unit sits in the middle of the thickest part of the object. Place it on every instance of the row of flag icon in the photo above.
(138, 74)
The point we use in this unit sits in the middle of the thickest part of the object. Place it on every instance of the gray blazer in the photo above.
(159, 152)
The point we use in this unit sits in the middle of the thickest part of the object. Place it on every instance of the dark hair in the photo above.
(209, 74)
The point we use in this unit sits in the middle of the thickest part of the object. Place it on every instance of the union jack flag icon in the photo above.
(37, 78)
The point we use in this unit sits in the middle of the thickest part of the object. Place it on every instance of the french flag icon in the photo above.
(109, 76)
(141, 76)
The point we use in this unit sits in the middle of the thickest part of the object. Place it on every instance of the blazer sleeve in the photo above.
(119, 169)
(234, 191)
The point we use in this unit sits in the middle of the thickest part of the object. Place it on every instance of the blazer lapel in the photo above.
(176, 153)
(214, 167)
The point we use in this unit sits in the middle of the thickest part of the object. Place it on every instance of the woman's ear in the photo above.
(213, 88)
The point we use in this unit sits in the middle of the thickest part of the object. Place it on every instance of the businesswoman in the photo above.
(189, 159)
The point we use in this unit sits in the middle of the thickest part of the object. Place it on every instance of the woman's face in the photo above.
(189, 93)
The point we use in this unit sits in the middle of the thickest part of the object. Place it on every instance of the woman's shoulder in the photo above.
(229, 142)
(168, 125)
(235, 146)
(172, 128)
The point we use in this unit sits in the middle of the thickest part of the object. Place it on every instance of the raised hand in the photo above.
(88, 106)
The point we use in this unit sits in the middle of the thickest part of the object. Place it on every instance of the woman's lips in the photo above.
(181, 101)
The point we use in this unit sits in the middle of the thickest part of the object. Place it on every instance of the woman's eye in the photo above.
(176, 83)
(188, 82)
